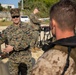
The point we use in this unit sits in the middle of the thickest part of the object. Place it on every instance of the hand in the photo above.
(35, 11)
(8, 49)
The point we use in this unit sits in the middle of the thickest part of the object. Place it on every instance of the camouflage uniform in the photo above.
(36, 26)
(20, 37)
(34, 21)
(53, 61)
(0, 45)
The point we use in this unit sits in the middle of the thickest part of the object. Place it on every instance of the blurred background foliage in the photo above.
(42, 5)
(29, 5)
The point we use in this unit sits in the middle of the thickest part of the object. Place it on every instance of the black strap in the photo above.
(23, 49)
(67, 61)
(20, 50)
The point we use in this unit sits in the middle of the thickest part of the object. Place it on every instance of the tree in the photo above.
(1, 8)
(43, 5)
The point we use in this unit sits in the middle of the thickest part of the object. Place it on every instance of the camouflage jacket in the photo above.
(18, 36)
(53, 61)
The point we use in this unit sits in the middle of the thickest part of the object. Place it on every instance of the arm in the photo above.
(2, 37)
(34, 19)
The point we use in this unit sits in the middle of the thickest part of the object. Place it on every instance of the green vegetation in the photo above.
(42, 5)
(29, 5)
(6, 23)
(1, 8)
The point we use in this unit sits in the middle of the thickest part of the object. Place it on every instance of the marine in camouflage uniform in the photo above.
(35, 22)
(52, 61)
(59, 57)
(20, 38)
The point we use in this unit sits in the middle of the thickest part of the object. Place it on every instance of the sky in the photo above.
(14, 2)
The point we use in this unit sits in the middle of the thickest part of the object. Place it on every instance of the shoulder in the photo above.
(56, 56)
(52, 60)
(26, 26)
(7, 29)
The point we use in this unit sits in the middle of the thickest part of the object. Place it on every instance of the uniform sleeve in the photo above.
(35, 36)
(2, 37)
(34, 19)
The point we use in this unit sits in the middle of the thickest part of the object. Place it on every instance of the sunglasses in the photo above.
(15, 16)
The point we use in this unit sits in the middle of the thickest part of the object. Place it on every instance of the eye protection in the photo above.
(15, 16)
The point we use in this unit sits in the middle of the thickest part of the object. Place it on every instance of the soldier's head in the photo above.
(62, 17)
(15, 14)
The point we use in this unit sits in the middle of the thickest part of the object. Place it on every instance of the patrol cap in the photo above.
(15, 12)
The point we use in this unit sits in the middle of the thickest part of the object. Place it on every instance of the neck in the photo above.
(64, 34)
(17, 24)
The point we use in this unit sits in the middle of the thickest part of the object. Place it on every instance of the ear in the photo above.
(54, 23)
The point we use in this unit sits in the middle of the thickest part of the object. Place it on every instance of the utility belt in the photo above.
(20, 50)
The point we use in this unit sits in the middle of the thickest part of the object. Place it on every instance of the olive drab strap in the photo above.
(67, 61)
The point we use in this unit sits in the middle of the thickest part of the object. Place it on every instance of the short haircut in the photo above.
(64, 13)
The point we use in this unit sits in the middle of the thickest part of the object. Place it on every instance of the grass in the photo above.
(5, 23)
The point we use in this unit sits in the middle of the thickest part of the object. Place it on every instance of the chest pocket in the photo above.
(27, 36)
(15, 37)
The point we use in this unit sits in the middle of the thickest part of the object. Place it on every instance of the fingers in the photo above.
(4, 50)
(7, 45)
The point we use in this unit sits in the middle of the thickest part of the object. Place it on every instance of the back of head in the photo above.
(15, 12)
(64, 13)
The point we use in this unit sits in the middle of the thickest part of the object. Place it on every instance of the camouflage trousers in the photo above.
(20, 57)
